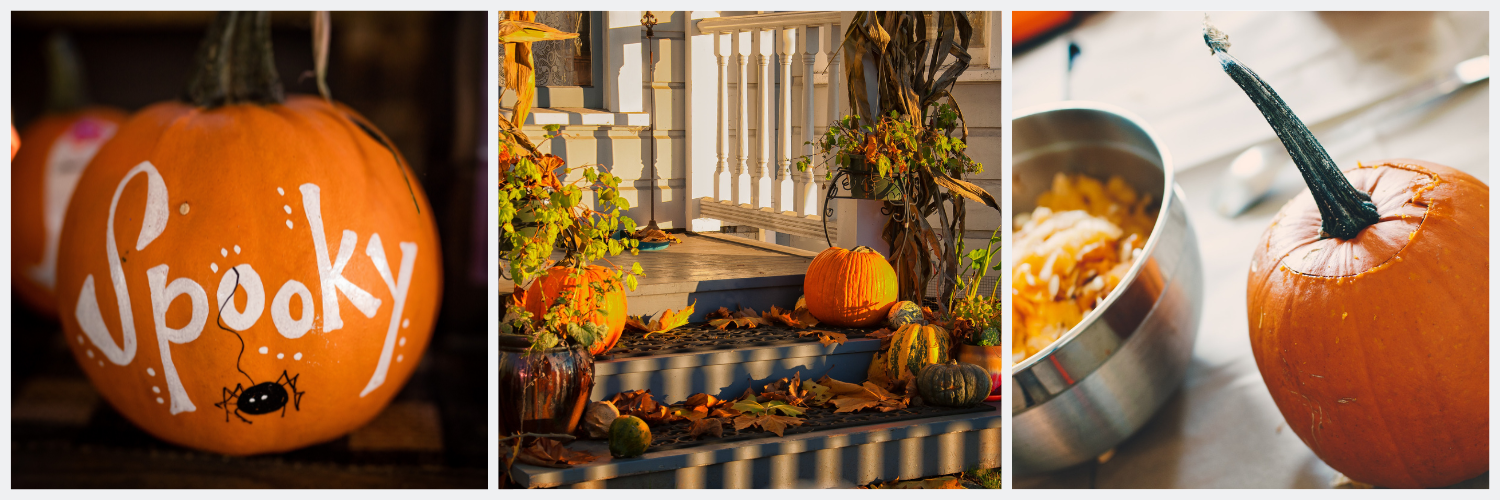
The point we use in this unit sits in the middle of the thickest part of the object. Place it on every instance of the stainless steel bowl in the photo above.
(1103, 379)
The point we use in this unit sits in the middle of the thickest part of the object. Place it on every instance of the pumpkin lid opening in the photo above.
(1397, 189)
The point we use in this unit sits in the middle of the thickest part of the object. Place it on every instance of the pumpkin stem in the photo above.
(1346, 211)
(65, 91)
(235, 63)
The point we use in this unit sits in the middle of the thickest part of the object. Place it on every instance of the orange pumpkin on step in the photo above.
(575, 286)
(851, 288)
(41, 182)
(242, 260)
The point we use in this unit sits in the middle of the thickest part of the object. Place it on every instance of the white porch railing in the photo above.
(751, 178)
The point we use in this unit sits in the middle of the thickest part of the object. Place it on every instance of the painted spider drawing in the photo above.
(262, 398)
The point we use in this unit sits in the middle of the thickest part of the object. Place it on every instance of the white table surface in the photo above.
(1222, 428)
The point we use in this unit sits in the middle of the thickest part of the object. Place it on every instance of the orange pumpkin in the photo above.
(41, 183)
(1368, 303)
(851, 288)
(276, 262)
(15, 142)
(561, 281)
(1376, 348)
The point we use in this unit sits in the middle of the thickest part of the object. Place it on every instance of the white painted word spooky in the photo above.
(163, 291)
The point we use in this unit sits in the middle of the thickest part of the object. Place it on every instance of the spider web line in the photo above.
(219, 321)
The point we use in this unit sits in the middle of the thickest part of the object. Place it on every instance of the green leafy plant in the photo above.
(541, 212)
(912, 134)
(974, 316)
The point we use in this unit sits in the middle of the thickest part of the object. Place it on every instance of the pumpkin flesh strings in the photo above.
(1070, 253)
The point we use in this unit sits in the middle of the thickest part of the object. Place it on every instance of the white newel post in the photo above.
(860, 221)
(783, 182)
(807, 188)
(742, 130)
(702, 107)
(623, 54)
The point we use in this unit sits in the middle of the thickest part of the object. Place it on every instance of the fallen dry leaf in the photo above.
(774, 423)
(546, 452)
(706, 427)
(936, 483)
(639, 403)
(666, 321)
(882, 333)
(850, 398)
(743, 318)
(826, 337)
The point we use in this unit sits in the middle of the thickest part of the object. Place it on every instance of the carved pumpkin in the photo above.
(959, 385)
(41, 183)
(850, 288)
(911, 348)
(244, 260)
(560, 281)
(1368, 302)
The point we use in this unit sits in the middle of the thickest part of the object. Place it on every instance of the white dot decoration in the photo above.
(156, 389)
(223, 252)
(288, 223)
(287, 209)
(280, 355)
(214, 266)
(183, 209)
(297, 356)
(151, 371)
(90, 352)
(399, 358)
(101, 362)
(405, 322)
(236, 249)
(80, 340)
(159, 401)
(264, 349)
(402, 342)
(280, 192)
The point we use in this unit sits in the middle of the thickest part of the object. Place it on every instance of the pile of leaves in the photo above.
(666, 321)
(649, 234)
(776, 407)
(798, 318)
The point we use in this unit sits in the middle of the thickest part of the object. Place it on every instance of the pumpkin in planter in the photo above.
(247, 259)
(1368, 302)
(575, 286)
(850, 288)
(955, 384)
(42, 181)
(911, 348)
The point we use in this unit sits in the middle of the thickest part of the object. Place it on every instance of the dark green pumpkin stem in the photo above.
(1346, 211)
(235, 63)
(65, 91)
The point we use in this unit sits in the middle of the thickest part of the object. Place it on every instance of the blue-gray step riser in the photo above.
(727, 374)
(845, 467)
(708, 296)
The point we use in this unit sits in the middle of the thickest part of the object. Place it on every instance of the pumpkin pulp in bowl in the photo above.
(1070, 253)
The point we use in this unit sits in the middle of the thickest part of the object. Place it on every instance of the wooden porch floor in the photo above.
(710, 257)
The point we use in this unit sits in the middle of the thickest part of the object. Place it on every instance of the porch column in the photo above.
(742, 132)
(807, 187)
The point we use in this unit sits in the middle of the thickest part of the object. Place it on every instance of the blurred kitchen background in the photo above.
(1370, 85)
(422, 78)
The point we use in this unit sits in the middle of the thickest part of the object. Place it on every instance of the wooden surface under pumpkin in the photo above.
(63, 435)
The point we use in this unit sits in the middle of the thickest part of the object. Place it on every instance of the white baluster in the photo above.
(723, 184)
(763, 49)
(807, 188)
(784, 192)
(833, 37)
(742, 169)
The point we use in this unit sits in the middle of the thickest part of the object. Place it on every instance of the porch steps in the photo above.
(836, 458)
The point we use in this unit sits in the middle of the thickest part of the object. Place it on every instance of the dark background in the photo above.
(421, 77)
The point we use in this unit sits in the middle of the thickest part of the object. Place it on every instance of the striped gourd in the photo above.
(913, 347)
